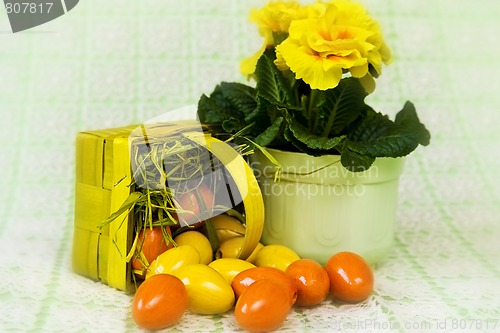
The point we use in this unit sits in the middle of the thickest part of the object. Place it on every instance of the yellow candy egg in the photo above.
(232, 247)
(208, 291)
(199, 241)
(171, 260)
(278, 256)
(227, 227)
(230, 267)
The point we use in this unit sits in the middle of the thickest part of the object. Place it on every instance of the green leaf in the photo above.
(408, 119)
(339, 107)
(273, 93)
(355, 162)
(301, 133)
(271, 83)
(227, 106)
(239, 96)
(370, 127)
(260, 116)
(210, 111)
(299, 145)
(233, 125)
(270, 134)
(377, 136)
(288, 135)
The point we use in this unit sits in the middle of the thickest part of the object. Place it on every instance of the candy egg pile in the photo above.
(261, 290)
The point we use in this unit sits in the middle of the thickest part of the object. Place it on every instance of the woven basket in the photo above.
(103, 178)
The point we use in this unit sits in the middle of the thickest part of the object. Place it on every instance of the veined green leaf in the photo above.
(355, 162)
(370, 127)
(408, 119)
(339, 107)
(270, 134)
(228, 105)
(273, 93)
(260, 114)
(233, 125)
(271, 83)
(299, 145)
(209, 111)
(313, 141)
(240, 96)
(377, 136)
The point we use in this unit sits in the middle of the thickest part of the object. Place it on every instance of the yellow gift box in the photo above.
(104, 178)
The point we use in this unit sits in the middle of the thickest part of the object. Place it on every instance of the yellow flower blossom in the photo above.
(343, 39)
(274, 18)
(354, 14)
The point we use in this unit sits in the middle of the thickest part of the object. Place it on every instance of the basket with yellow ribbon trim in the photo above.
(173, 177)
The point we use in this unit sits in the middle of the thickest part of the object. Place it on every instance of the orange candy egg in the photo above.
(195, 205)
(263, 306)
(151, 243)
(310, 279)
(159, 302)
(247, 277)
(351, 278)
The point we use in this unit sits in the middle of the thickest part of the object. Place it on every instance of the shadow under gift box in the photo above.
(103, 178)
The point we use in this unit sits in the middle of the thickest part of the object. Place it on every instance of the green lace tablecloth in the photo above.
(113, 63)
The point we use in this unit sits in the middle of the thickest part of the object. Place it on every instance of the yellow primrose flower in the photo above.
(312, 75)
(344, 38)
(352, 14)
(275, 17)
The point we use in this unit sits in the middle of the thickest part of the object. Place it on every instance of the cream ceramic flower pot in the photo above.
(319, 208)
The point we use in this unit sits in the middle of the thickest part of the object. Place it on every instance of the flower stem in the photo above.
(329, 123)
(311, 108)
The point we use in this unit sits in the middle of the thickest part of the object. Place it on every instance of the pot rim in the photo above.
(325, 169)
